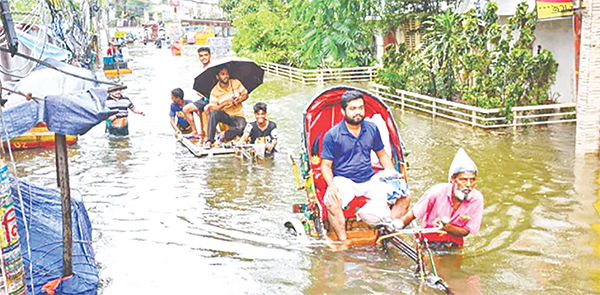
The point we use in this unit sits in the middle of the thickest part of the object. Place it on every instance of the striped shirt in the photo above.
(122, 104)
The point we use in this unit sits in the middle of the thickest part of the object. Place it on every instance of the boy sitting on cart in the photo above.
(346, 163)
(261, 131)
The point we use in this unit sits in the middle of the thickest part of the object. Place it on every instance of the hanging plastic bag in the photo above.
(396, 186)
(374, 212)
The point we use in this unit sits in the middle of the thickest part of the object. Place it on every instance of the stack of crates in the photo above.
(110, 63)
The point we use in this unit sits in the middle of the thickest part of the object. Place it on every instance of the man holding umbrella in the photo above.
(225, 106)
(228, 83)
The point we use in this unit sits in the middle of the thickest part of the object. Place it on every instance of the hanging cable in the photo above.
(48, 65)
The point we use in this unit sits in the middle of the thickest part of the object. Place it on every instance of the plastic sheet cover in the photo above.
(42, 208)
(71, 106)
(42, 48)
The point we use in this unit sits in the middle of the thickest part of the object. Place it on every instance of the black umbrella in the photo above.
(243, 69)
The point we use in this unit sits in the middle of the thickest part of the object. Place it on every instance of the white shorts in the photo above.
(349, 189)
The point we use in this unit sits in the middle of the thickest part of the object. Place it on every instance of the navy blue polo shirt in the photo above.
(351, 156)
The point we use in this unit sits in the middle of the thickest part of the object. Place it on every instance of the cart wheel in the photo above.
(296, 228)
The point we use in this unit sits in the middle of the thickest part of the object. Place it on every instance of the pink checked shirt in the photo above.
(437, 202)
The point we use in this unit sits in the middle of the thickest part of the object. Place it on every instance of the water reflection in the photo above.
(166, 222)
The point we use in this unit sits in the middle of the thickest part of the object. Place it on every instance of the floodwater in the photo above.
(166, 222)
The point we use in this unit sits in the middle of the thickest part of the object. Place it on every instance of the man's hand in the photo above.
(269, 147)
(441, 222)
(332, 195)
(236, 100)
(177, 132)
(227, 103)
(112, 118)
(437, 223)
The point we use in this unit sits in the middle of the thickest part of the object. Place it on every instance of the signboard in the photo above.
(120, 34)
(554, 8)
(203, 35)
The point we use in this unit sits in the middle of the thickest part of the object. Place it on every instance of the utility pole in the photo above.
(9, 28)
(62, 173)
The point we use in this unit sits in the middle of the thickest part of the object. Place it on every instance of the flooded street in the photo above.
(166, 222)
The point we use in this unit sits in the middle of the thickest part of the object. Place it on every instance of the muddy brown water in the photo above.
(166, 222)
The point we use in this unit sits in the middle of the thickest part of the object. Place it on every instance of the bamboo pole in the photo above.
(62, 171)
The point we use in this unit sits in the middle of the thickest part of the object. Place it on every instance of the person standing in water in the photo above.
(118, 124)
(455, 206)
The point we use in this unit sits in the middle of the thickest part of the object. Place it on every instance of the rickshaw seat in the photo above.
(354, 205)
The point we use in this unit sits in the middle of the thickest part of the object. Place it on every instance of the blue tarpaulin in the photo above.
(42, 207)
(41, 49)
(70, 105)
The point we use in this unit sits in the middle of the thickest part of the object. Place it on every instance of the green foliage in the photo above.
(306, 34)
(475, 60)
(396, 13)
(265, 37)
(136, 8)
(336, 33)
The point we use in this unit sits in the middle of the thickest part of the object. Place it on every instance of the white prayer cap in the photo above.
(461, 163)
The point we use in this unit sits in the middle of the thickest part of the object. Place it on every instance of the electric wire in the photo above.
(28, 27)
(48, 65)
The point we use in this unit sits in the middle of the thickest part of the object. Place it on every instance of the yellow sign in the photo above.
(203, 35)
(120, 34)
(554, 8)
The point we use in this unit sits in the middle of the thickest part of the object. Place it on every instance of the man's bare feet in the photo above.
(221, 136)
(337, 246)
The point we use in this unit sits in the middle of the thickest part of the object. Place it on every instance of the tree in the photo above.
(266, 36)
(337, 32)
(474, 59)
(308, 34)
(136, 8)
(397, 13)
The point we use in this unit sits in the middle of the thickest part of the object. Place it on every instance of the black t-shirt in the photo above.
(261, 136)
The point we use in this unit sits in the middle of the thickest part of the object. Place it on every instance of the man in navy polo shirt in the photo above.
(346, 162)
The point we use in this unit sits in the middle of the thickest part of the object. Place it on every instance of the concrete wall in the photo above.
(557, 36)
(588, 100)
